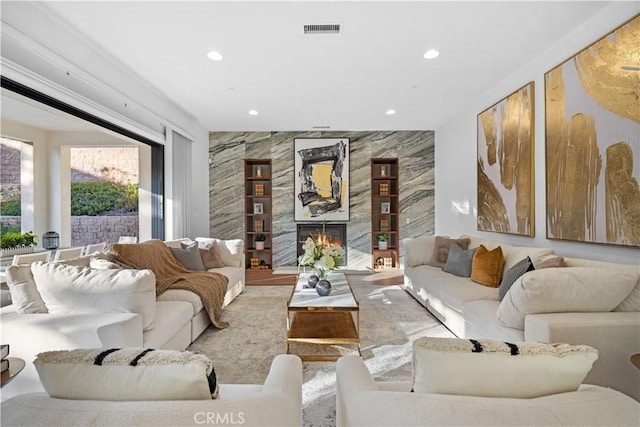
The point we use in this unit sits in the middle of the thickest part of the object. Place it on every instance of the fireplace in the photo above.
(336, 235)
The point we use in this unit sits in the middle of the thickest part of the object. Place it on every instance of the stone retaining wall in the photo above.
(11, 221)
(92, 229)
(96, 229)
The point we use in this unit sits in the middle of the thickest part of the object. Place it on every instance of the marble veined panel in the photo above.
(384, 144)
(415, 150)
(359, 240)
(258, 146)
(416, 144)
(225, 226)
(284, 242)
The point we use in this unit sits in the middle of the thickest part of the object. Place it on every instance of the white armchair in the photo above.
(278, 402)
(361, 401)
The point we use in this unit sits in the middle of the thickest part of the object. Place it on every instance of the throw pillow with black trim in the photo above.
(491, 368)
(512, 274)
(126, 374)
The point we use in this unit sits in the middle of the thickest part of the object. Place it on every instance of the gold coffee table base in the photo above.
(324, 328)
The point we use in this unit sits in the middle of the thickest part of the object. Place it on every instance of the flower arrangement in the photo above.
(320, 255)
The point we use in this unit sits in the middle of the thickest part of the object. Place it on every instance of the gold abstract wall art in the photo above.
(321, 179)
(592, 122)
(505, 165)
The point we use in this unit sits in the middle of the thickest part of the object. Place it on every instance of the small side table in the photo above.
(15, 366)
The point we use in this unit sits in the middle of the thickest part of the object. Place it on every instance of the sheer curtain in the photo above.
(181, 184)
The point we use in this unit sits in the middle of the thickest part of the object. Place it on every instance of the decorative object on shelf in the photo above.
(385, 207)
(323, 287)
(388, 262)
(258, 226)
(255, 262)
(505, 165)
(16, 243)
(258, 209)
(384, 189)
(50, 240)
(321, 179)
(260, 239)
(592, 142)
(384, 225)
(383, 171)
(382, 241)
(313, 281)
(259, 190)
(259, 172)
(321, 255)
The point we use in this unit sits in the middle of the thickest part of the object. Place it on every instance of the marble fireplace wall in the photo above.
(414, 149)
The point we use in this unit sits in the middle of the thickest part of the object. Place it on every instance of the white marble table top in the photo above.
(340, 296)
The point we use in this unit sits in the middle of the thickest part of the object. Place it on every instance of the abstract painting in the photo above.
(505, 165)
(593, 141)
(321, 179)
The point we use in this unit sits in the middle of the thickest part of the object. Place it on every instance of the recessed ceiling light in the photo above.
(391, 112)
(431, 53)
(214, 56)
(253, 112)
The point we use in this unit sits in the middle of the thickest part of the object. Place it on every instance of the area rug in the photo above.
(390, 320)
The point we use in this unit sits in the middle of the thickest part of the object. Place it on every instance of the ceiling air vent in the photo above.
(322, 29)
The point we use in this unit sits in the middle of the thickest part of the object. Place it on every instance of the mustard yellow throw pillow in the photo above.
(487, 266)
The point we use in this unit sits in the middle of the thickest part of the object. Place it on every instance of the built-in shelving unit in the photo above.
(385, 213)
(258, 221)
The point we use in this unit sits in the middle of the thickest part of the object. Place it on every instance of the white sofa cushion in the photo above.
(70, 289)
(418, 250)
(496, 369)
(126, 374)
(230, 250)
(562, 290)
(24, 292)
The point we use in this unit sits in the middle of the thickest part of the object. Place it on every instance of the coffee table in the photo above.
(330, 320)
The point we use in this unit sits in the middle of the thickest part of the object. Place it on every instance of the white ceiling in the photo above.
(344, 81)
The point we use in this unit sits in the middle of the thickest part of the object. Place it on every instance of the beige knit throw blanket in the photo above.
(170, 274)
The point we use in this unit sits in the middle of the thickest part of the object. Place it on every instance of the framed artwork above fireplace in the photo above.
(321, 179)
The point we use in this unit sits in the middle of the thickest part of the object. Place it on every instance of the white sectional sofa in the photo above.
(277, 402)
(362, 401)
(179, 319)
(471, 310)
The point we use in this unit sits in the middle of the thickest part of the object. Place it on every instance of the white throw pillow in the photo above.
(496, 369)
(418, 250)
(230, 250)
(126, 374)
(564, 290)
(24, 292)
(71, 289)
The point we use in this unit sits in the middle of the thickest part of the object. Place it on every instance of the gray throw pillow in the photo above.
(441, 249)
(189, 257)
(513, 274)
(459, 260)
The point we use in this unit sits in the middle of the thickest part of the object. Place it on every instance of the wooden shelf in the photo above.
(385, 208)
(258, 218)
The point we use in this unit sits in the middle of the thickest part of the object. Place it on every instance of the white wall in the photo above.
(456, 142)
(39, 51)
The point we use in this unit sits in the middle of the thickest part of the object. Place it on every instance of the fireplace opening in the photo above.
(336, 235)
